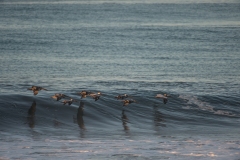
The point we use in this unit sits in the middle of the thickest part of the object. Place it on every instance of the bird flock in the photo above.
(125, 99)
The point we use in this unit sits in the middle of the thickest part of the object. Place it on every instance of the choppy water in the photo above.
(141, 48)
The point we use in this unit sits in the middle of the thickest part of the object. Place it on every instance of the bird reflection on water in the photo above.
(158, 117)
(31, 115)
(56, 123)
(79, 120)
(124, 121)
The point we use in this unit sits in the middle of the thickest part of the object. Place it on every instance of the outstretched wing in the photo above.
(160, 96)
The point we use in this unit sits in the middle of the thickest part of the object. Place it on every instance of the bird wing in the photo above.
(93, 95)
(64, 96)
(160, 96)
(54, 97)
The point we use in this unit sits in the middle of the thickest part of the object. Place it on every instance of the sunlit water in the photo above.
(142, 48)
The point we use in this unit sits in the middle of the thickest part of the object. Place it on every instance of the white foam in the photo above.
(194, 101)
(151, 147)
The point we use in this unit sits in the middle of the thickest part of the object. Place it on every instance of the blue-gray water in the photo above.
(141, 48)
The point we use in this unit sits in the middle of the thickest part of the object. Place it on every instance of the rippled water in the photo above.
(186, 49)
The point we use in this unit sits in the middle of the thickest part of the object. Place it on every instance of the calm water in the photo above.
(142, 48)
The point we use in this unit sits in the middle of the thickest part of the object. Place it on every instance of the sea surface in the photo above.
(187, 49)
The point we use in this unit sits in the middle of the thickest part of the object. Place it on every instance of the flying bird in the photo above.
(164, 97)
(59, 96)
(128, 101)
(35, 89)
(122, 96)
(69, 102)
(84, 94)
(95, 96)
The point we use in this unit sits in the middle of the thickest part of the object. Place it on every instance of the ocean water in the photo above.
(189, 50)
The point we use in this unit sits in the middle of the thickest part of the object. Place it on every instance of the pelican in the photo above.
(164, 97)
(59, 96)
(128, 101)
(32, 109)
(95, 96)
(84, 94)
(69, 102)
(35, 89)
(122, 96)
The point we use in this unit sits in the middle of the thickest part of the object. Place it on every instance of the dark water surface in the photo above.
(141, 48)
